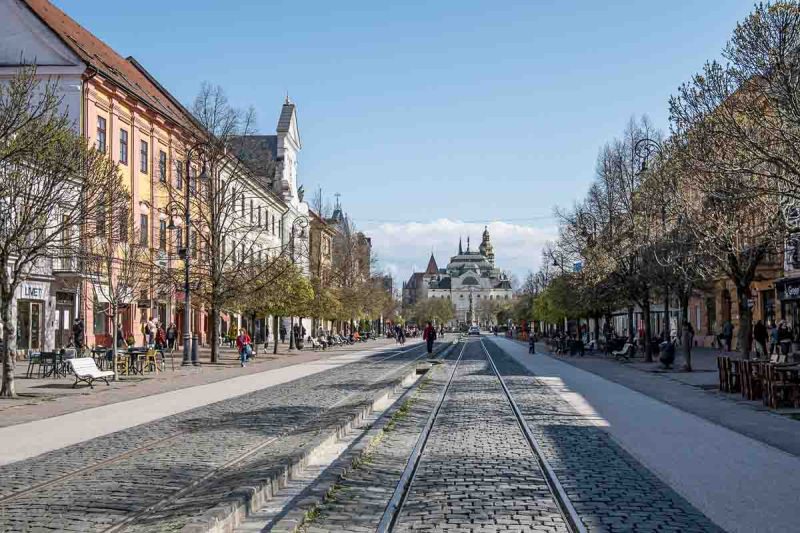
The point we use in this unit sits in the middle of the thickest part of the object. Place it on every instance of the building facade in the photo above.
(470, 278)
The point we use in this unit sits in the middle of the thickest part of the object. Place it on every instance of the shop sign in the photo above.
(143, 304)
(32, 291)
(65, 298)
(791, 291)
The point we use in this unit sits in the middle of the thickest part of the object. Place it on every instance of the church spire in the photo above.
(460, 250)
(467, 243)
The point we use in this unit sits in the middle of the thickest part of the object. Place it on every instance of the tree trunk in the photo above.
(745, 334)
(275, 334)
(631, 332)
(596, 328)
(214, 333)
(687, 354)
(667, 327)
(114, 355)
(9, 346)
(648, 332)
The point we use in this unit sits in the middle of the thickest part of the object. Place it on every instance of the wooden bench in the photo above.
(85, 369)
(626, 352)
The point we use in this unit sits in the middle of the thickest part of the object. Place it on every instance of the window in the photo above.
(123, 146)
(143, 230)
(178, 238)
(242, 203)
(143, 151)
(251, 212)
(162, 166)
(259, 216)
(192, 180)
(194, 245)
(162, 235)
(101, 134)
(179, 175)
(273, 223)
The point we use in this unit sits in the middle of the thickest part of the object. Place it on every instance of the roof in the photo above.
(124, 72)
(432, 267)
(285, 120)
(258, 151)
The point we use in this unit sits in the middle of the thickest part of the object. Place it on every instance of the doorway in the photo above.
(29, 325)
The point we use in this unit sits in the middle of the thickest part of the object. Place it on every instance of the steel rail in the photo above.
(392, 510)
(159, 442)
(560, 495)
(132, 519)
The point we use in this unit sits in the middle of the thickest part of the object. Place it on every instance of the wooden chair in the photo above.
(123, 363)
(722, 367)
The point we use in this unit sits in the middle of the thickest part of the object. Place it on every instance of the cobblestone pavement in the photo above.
(477, 471)
(357, 502)
(43, 398)
(610, 489)
(181, 449)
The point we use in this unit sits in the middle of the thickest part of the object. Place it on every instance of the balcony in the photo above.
(65, 265)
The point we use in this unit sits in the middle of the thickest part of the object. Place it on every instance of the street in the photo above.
(475, 469)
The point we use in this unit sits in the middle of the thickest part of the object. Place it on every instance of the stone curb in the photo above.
(314, 495)
(225, 517)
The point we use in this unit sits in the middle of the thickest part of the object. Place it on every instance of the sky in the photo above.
(433, 119)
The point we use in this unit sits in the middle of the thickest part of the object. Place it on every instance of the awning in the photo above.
(103, 294)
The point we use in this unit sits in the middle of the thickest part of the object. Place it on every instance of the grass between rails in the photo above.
(365, 457)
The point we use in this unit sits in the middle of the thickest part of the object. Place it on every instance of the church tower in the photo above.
(486, 247)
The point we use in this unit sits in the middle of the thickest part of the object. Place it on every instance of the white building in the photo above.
(469, 278)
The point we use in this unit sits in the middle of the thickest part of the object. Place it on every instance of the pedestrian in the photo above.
(727, 334)
(266, 335)
(161, 337)
(784, 337)
(429, 335)
(283, 334)
(172, 335)
(773, 337)
(760, 335)
(77, 335)
(687, 341)
(244, 345)
(532, 344)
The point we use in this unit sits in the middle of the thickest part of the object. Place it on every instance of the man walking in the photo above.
(429, 335)
(77, 335)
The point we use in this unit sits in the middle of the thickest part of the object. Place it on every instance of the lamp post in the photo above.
(189, 352)
(644, 149)
(301, 223)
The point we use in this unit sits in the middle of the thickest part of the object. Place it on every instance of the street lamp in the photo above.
(299, 226)
(189, 354)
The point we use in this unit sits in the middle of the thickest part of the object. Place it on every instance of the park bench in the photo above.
(625, 353)
(315, 345)
(85, 369)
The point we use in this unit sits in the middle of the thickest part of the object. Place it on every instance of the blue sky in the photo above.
(449, 114)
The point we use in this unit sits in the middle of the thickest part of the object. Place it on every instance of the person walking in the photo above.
(784, 338)
(760, 335)
(687, 341)
(266, 335)
(283, 334)
(727, 334)
(244, 345)
(429, 335)
(77, 335)
(172, 335)
(161, 337)
(773, 337)
(532, 343)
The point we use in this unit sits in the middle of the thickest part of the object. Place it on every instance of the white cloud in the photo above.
(401, 248)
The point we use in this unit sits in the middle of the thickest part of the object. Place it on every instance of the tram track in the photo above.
(395, 507)
(154, 445)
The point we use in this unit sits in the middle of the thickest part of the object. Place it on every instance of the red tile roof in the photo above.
(126, 73)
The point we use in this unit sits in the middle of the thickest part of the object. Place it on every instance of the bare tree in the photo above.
(231, 243)
(119, 270)
(53, 189)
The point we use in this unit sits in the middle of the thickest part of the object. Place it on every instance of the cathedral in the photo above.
(469, 278)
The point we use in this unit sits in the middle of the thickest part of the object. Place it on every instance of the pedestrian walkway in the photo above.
(44, 398)
(29, 439)
(697, 393)
(740, 483)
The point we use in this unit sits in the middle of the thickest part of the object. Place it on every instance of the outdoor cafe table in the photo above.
(136, 353)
